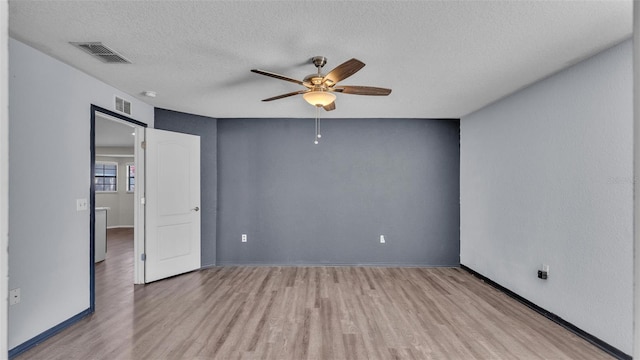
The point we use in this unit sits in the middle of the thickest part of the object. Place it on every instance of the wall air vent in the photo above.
(102, 52)
(123, 105)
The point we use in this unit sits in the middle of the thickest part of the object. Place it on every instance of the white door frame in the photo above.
(138, 210)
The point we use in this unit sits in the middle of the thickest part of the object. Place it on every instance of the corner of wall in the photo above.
(546, 177)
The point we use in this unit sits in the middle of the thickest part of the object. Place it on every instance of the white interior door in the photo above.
(172, 243)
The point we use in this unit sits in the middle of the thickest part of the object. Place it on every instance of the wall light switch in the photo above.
(244, 237)
(382, 240)
(81, 204)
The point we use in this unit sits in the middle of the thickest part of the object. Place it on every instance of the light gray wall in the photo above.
(302, 203)
(120, 203)
(636, 165)
(112, 151)
(49, 120)
(4, 173)
(546, 177)
(206, 128)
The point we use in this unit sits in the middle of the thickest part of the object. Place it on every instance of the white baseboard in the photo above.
(119, 226)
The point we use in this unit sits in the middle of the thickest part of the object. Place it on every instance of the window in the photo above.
(106, 177)
(131, 177)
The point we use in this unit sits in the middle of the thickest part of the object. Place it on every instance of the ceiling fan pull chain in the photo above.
(316, 139)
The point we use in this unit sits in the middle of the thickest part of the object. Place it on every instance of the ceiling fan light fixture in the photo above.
(319, 98)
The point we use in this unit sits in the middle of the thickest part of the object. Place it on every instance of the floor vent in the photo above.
(102, 52)
(123, 106)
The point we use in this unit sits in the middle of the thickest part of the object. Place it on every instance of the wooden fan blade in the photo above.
(362, 90)
(330, 107)
(286, 95)
(344, 70)
(277, 76)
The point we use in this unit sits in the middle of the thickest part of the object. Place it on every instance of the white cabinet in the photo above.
(101, 234)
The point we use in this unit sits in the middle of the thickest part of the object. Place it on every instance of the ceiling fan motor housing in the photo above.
(313, 79)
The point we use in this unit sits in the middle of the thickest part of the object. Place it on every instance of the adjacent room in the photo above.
(320, 180)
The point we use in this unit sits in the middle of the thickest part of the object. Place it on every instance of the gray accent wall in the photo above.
(206, 128)
(301, 203)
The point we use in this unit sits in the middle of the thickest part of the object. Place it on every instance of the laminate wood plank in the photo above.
(316, 313)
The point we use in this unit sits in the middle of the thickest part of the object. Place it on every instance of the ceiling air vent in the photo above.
(102, 52)
(123, 105)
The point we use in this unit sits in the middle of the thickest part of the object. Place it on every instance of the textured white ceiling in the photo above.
(443, 59)
(111, 133)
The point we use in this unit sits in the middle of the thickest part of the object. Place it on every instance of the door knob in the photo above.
(196, 208)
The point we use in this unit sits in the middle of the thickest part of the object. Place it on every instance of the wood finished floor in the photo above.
(305, 313)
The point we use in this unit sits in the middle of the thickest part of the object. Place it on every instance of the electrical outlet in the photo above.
(382, 240)
(543, 273)
(244, 237)
(14, 296)
(81, 204)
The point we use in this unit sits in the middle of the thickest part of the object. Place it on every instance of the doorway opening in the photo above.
(117, 186)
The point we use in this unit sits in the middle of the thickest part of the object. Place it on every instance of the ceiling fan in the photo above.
(320, 88)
